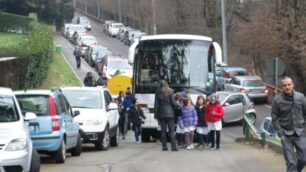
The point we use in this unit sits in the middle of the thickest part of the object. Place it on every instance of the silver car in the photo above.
(252, 85)
(236, 105)
(16, 149)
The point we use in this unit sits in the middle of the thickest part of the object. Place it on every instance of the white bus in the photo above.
(186, 62)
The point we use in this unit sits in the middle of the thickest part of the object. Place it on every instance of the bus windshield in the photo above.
(182, 63)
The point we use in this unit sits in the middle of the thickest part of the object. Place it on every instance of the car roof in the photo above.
(175, 36)
(228, 92)
(33, 92)
(116, 58)
(76, 88)
(248, 77)
(234, 68)
(6, 91)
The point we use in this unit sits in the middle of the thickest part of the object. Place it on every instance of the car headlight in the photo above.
(17, 144)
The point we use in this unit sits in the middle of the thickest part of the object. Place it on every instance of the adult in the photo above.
(89, 80)
(77, 53)
(119, 101)
(102, 79)
(164, 112)
(213, 117)
(288, 113)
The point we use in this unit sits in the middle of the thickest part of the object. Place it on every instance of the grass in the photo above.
(60, 74)
(11, 39)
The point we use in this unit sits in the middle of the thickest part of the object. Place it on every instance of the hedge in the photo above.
(14, 23)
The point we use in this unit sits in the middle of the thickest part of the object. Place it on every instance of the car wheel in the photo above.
(60, 154)
(252, 118)
(114, 140)
(145, 136)
(103, 141)
(77, 150)
(35, 162)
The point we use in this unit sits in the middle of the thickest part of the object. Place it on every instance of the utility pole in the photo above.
(154, 21)
(119, 11)
(224, 39)
(98, 10)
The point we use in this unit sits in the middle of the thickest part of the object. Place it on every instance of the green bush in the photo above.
(14, 23)
(39, 51)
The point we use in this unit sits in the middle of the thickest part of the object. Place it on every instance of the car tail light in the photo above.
(266, 91)
(53, 112)
(242, 90)
(251, 106)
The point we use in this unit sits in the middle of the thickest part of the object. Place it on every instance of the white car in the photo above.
(16, 148)
(116, 65)
(114, 29)
(84, 21)
(98, 117)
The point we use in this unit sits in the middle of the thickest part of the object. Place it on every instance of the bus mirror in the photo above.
(218, 53)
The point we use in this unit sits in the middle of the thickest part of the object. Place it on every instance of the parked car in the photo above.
(114, 29)
(98, 117)
(91, 53)
(16, 148)
(227, 74)
(117, 65)
(136, 36)
(122, 32)
(55, 131)
(236, 105)
(129, 35)
(106, 25)
(74, 28)
(82, 20)
(86, 41)
(219, 68)
(65, 29)
(251, 85)
(267, 127)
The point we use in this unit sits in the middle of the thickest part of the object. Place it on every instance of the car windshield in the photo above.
(237, 73)
(88, 39)
(118, 64)
(84, 99)
(83, 20)
(102, 54)
(77, 28)
(221, 96)
(8, 111)
(253, 83)
(32, 103)
(117, 26)
(98, 49)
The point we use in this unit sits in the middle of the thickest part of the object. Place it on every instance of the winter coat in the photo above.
(164, 105)
(217, 108)
(201, 113)
(135, 115)
(88, 81)
(189, 117)
(127, 102)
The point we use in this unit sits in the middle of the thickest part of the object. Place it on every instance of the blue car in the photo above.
(54, 132)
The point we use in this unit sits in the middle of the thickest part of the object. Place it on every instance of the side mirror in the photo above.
(76, 113)
(226, 104)
(112, 106)
(30, 116)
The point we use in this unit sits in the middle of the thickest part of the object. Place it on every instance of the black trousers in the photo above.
(78, 61)
(294, 149)
(214, 137)
(167, 123)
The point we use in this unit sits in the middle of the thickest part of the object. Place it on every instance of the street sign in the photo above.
(275, 67)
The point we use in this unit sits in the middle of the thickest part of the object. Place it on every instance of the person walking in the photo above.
(164, 112)
(77, 53)
(288, 112)
(201, 126)
(126, 104)
(188, 122)
(136, 117)
(119, 101)
(213, 117)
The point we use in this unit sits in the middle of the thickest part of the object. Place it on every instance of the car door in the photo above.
(64, 113)
(112, 114)
(233, 108)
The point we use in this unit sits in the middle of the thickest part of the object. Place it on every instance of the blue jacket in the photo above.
(127, 101)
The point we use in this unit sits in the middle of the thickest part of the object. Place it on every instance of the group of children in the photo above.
(204, 118)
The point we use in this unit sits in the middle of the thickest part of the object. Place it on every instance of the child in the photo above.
(202, 126)
(135, 118)
(188, 121)
(179, 131)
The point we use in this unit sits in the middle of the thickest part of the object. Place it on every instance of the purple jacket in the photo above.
(189, 117)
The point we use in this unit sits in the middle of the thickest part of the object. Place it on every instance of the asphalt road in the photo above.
(132, 157)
